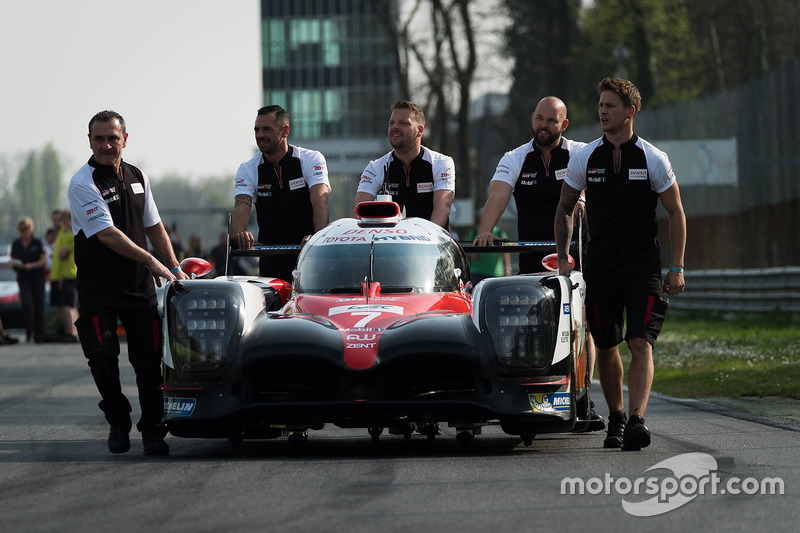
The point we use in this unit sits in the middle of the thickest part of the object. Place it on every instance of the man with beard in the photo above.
(420, 180)
(290, 187)
(534, 172)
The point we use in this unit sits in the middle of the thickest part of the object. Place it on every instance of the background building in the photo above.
(332, 65)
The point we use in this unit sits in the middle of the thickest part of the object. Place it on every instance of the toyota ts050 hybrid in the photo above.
(380, 330)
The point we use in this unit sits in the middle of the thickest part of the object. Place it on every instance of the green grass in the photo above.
(712, 355)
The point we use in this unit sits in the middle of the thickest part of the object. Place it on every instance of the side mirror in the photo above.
(195, 266)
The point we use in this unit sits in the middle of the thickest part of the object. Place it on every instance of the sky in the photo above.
(185, 75)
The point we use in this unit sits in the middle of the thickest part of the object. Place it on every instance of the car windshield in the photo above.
(399, 267)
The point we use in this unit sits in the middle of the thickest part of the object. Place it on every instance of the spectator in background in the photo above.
(50, 236)
(195, 247)
(63, 280)
(49, 246)
(219, 255)
(29, 259)
(178, 244)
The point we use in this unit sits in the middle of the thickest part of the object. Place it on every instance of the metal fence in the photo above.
(741, 290)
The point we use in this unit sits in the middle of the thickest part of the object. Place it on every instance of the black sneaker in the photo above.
(155, 446)
(118, 440)
(637, 436)
(616, 429)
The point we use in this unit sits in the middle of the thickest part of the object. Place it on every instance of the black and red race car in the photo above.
(380, 329)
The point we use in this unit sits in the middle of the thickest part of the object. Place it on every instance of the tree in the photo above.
(51, 178)
(564, 49)
(29, 190)
(742, 38)
(194, 207)
(438, 39)
(541, 37)
(8, 214)
(38, 188)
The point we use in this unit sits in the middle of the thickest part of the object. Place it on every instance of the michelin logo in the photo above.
(549, 403)
(179, 406)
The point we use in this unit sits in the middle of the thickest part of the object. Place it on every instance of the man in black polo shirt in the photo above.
(113, 216)
(290, 187)
(420, 180)
(624, 177)
(533, 173)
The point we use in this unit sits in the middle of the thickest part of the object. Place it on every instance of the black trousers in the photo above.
(31, 296)
(97, 329)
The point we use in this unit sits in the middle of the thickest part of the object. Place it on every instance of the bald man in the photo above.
(533, 173)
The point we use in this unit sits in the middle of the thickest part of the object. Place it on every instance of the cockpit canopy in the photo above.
(414, 256)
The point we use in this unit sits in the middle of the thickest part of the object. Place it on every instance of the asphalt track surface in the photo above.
(56, 473)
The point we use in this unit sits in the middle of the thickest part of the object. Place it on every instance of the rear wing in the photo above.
(500, 247)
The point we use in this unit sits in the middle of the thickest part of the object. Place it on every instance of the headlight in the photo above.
(202, 324)
(521, 321)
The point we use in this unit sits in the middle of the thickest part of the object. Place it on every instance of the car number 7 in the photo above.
(368, 316)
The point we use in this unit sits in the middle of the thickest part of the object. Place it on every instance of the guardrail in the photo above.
(757, 290)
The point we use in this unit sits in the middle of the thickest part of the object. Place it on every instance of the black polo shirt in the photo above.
(621, 202)
(105, 278)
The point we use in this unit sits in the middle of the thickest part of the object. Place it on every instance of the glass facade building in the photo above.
(330, 64)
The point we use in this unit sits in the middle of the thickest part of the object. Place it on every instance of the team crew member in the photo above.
(534, 173)
(420, 180)
(624, 177)
(113, 216)
(290, 187)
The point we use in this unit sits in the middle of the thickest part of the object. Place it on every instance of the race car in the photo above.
(379, 329)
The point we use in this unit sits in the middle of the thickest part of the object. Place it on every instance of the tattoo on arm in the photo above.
(563, 222)
(243, 199)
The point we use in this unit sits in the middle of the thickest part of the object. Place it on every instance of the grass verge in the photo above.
(713, 355)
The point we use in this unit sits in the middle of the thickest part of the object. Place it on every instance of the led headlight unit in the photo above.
(521, 320)
(202, 324)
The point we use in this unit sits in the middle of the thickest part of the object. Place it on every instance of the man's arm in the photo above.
(360, 197)
(319, 203)
(442, 201)
(161, 242)
(119, 243)
(240, 237)
(674, 282)
(499, 194)
(563, 226)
